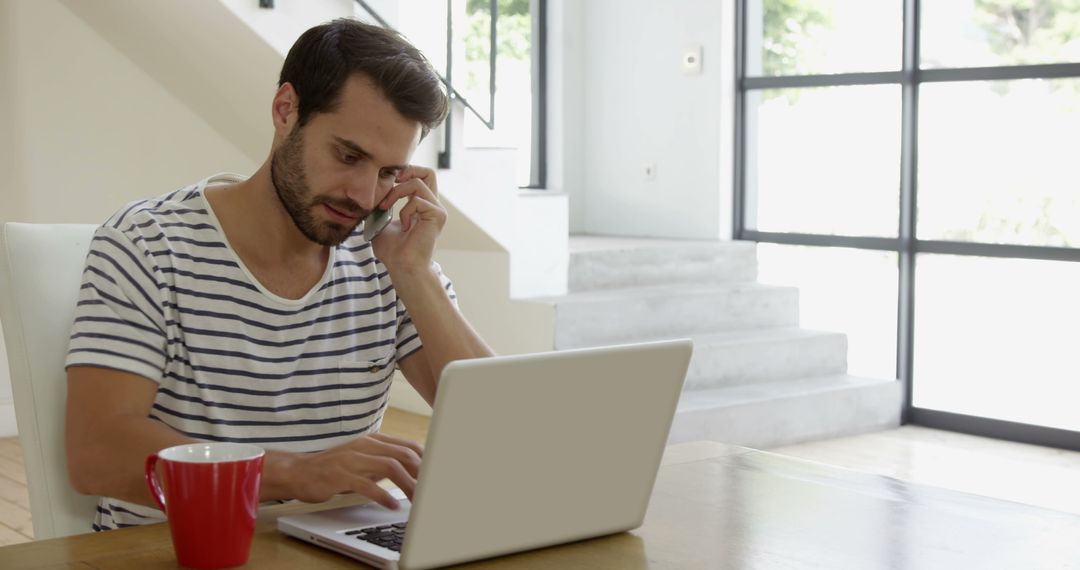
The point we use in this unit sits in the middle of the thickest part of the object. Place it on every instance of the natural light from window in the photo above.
(513, 78)
(994, 163)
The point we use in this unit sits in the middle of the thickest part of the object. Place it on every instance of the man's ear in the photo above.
(285, 109)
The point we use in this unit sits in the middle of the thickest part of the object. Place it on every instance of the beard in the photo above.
(289, 177)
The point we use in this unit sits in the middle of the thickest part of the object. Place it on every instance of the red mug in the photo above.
(211, 497)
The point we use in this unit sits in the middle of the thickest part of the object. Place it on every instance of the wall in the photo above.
(566, 106)
(92, 129)
(630, 104)
(10, 150)
(86, 130)
(482, 280)
(288, 19)
(10, 159)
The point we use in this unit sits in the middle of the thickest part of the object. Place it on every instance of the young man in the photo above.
(254, 310)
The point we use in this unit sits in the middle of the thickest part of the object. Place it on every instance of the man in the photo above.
(254, 310)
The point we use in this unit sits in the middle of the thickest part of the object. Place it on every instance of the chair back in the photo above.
(41, 269)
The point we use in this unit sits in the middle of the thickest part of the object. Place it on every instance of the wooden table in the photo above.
(714, 506)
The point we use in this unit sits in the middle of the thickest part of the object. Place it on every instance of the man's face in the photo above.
(332, 173)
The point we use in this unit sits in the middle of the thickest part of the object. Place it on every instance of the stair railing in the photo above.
(454, 94)
(489, 121)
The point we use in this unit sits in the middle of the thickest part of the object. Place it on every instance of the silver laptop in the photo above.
(523, 452)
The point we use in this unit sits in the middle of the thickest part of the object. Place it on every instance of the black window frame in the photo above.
(906, 244)
(538, 53)
(538, 19)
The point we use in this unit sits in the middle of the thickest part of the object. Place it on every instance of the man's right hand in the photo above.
(109, 437)
(353, 467)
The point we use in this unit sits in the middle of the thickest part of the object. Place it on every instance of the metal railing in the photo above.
(454, 94)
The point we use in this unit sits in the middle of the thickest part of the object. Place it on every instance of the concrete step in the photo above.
(593, 318)
(739, 357)
(598, 262)
(783, 413)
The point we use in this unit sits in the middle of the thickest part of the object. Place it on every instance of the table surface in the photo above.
(714, 506)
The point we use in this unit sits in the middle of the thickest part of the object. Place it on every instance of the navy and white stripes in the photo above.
(164, 296)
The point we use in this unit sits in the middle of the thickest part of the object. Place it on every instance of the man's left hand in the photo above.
(407, 244)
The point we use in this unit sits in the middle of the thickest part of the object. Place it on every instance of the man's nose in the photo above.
(363, 188)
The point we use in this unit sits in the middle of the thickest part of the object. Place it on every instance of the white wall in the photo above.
(10, 150)
(482, 280)
(84, 130)
(288, 19)
(91, 130)
(622, 101)
(566, 105)
(10, 178)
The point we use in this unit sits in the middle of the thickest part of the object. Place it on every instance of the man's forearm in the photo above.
(446, 335)
(107, 468)
(109, 460)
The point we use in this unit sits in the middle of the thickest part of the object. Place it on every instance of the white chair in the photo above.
(40, 273)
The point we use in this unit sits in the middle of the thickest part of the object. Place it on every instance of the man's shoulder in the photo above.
(174, 209)
(153, 226)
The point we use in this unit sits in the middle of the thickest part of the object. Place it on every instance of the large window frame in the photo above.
(910, 77)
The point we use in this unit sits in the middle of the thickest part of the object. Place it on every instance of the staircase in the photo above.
(756, 378)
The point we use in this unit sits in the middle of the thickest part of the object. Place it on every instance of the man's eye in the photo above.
(348, 158)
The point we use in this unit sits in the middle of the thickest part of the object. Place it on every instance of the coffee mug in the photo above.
(211, 496)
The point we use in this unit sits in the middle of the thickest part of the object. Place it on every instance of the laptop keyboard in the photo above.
(386, 536)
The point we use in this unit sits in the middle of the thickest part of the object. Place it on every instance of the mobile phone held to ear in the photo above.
(376, 222)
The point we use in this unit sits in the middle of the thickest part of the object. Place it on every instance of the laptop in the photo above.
(523, 452)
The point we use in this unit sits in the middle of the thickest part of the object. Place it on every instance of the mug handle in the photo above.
(152, 482)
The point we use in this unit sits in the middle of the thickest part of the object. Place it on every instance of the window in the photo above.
(848, 290)
(937, 137)
(515, 88)
(830, 151)
(506, 103)
(993, 338)
(996, 161)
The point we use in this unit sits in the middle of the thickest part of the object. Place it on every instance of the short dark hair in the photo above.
(325, 56)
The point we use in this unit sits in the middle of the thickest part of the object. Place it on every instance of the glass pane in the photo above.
(824, 160)
(423, 22)
(983, 33)
(843, 290)
(804, 37)
(513, 79)
(997, 162)
(997, 338)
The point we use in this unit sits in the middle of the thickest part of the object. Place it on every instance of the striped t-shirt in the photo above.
(165, 296)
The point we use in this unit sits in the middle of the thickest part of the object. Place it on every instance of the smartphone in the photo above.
(376, 222)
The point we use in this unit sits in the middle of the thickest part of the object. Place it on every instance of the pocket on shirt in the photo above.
(364, 388)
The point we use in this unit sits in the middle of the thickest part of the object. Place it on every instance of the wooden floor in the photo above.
(1017, 472)
(14, 502)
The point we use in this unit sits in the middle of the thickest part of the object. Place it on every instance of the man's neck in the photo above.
(258, 227)
(265, 238)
